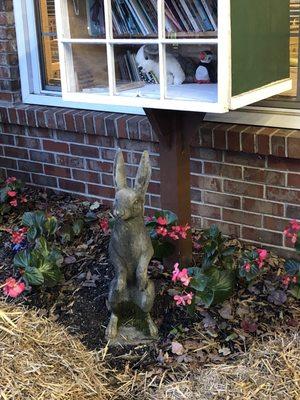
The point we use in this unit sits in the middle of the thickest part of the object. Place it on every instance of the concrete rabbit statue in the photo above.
(130, 248)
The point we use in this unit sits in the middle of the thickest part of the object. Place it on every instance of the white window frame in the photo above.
(32, 92)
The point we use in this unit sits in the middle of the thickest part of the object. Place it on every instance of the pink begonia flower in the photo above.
(149, 219)
(184, 299)
(13, 288)
(262, 255)
(24, 199)
(162, 221)
(295, 279)
(173, 236)
(294, 238)
(181, 276)
(104, 224)
(11, 193)
(286, 280)
(295, 225)
(12, 179)
(161, 231)
(181, 230)
(248, 267)
(14, 203)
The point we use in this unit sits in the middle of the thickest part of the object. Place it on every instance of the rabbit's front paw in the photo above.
(121, 285)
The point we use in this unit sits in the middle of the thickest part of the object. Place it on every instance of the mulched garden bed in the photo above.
(214, 336)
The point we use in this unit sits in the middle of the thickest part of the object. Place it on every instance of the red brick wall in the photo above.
(9, 71)
(244, 178)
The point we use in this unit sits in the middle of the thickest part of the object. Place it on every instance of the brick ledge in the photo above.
(265, 141)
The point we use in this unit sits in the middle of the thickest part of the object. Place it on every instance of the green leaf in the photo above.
(51, 273)
(42, 247)
(295, 291)
(3, 194)
(206, 297)
(214, 231)
(32, 234)
(22, 260)
(34, 276)
(51, 225)
(78, 227)
(222, 284)
(292, 267)
(199, 282)
(91, 216)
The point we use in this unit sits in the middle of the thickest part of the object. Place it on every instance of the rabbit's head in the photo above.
(129, 203)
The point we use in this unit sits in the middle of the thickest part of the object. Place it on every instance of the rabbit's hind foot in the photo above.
(112, 327)
(152, 327)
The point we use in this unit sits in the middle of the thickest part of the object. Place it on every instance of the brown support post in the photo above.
(175, 130)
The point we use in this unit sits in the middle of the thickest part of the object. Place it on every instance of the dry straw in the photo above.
(40, 360)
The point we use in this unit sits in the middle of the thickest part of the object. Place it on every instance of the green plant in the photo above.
(252, 264)
(164, 230)
(11, 195)
(40, 263)
(71, 229)
(292, 267)
(212, 286)
(215, 251)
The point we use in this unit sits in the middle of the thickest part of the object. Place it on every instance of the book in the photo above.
(139, 17)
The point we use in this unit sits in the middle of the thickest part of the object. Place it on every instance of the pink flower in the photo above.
(294, 238)
(18, 236)
(262, 254)
(196, 245)
(11, 193)
(295, 279)
(181, 230)
(173, 236)
(24, 199)
(248, 267)
(286, 280)
(104, 224)
(11, 180)
(162, 231)
(295, 225)
(14, 203)
(13, 288)
(149, 219)
(184, 299)
(162, 221)
(181, 276)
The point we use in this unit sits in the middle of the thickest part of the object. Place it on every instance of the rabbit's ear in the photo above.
(119, 171)
(143, 175)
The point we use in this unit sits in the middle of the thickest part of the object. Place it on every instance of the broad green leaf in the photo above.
(199, 282)
(34, 276)
(42, 247)
(229, 251)
(222, 284)
(3, 194)
(292, 266)
(51, 273)
(28, 219)
(51, 225)
(295, 291)
(22, 260)
(32, 234)
(78, 227)
(207, 297)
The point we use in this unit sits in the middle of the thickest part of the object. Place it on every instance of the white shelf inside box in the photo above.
(207, 93)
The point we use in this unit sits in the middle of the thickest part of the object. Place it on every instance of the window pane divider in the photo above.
(109, 47)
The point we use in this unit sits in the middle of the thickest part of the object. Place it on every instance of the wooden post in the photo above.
(175, 130)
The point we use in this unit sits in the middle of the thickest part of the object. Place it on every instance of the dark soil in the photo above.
(79, 302)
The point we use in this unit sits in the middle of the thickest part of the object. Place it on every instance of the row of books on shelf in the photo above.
(139, 17)
(129, 71)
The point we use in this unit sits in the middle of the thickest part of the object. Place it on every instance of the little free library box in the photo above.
(189, 55)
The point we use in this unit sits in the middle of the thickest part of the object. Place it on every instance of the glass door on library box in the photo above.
(193, 55)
